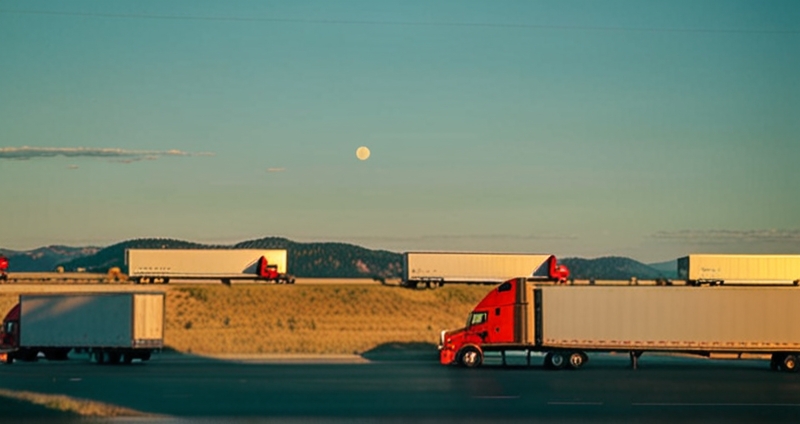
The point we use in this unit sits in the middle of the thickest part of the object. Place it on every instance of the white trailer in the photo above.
(438, 268)
(739, 269)
(163, 265)
(566, 322)
(112, 327)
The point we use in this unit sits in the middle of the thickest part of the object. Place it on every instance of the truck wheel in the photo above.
(775, 361)
(789, 363)
(470, 357)
(555, 360)
(577, 359)
(114, 357)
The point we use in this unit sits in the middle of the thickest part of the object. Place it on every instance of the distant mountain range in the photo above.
(310, 260)
(45, 258)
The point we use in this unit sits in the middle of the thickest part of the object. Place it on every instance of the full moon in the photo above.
(362, 153)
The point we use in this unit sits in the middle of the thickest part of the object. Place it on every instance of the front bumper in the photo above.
(447, 356)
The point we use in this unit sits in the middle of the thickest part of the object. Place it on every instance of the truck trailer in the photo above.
(567, 322)
(163, 265)
(739, 269)
(111, 327)
(437, 268)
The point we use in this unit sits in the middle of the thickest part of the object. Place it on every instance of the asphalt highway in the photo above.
(189, 389)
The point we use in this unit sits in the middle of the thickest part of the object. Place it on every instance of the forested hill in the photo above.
(611, 268)
(321, 260)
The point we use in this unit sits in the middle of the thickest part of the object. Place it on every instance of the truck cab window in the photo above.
(504, 287)
(9, 327)
(476, 318)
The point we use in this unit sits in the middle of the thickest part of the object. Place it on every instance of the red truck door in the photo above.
(493, 319)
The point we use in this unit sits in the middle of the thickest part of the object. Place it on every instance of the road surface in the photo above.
(398, 387)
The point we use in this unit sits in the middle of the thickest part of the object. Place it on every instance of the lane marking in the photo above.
(575, 403)
(713, 404)
(496, 397)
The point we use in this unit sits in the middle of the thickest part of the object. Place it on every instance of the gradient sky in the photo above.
(579, 128)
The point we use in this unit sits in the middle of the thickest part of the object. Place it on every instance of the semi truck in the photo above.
(565, 323)
(163, 265)
(437, 268)
(739, 269)
(111, 327)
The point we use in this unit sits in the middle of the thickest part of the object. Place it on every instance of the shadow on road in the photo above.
(403, 351)
(14, 410)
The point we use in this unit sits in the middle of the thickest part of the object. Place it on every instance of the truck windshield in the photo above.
(476, 318)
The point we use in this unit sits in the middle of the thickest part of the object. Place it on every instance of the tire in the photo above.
(775, 361)
(576, 360)
(99, 357)
(114, 357)
(555, 360)
(127, 358)
(470, 357)
(789, 363)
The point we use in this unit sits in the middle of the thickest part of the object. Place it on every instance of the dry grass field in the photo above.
(300, 319)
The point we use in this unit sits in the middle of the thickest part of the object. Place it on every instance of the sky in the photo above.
(574, 127)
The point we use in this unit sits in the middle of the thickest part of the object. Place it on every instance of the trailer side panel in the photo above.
(740, 268)
(201, 263)
(470, 267)
(76, 320)
(671, 318)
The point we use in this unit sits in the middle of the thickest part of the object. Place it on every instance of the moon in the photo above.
(362, 153)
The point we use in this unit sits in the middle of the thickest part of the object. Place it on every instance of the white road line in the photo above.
(575, 403)
(714, 404)
(495, 397)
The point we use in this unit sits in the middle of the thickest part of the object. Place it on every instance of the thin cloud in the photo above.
(276, 169)
(500, 237)
(114, 154)
(725, 236)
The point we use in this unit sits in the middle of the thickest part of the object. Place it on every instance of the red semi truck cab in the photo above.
(3, 268)
(9, 333)
(493, 322)
(558, 272)
(270, 272)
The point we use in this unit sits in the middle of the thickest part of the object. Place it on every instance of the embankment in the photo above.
(341, 319)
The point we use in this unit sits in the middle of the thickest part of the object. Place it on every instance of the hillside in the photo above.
(44, 259)
(610, 268)
(216, 319)
(668, 268)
